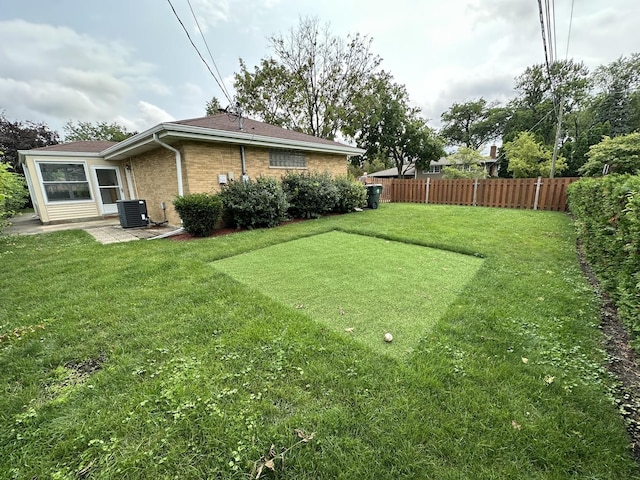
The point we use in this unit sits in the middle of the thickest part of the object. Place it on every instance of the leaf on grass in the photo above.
(349, 330)
(341, 311)
(272, 451)
(516, 425)
(259, 471)
(525, 360)
(270, 465)
(305, 437)
(549, 379)
(299, 306)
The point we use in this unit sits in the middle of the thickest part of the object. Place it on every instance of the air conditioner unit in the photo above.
(133, 213)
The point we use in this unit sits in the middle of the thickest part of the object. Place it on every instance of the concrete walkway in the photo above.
(104, 231)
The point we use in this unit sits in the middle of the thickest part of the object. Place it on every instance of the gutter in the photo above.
(178, 162)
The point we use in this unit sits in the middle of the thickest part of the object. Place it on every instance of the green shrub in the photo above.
(351, 195)
(607, 216)
(310, 195)
(255, 204)
(13, 193)
(199, 212)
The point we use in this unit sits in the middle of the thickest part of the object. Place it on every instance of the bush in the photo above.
(255, 204)
(351, 195)
(310, 194)
(13, 193)
(607, 216)
(199, 212)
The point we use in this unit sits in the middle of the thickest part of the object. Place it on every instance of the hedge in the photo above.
(310, 194)
(199, 212)
(607, 216)
(255, 204)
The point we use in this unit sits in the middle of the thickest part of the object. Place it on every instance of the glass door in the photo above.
(110, 189)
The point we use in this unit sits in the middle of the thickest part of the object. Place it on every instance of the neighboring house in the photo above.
(84, 180)
(393, 173)
(436, 168)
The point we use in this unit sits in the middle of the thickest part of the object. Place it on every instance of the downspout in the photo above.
(178, 162)
(243, 161)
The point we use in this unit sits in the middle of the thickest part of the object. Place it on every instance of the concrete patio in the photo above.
(105, 231)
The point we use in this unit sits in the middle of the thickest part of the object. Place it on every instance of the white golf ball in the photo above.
(388, 337)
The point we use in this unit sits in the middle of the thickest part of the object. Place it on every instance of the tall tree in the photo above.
(213, 107)
(310, 82)
(87, 131)
(16, 136)
(539, 93)
(386, 126)
(472, 124)
(617, 94)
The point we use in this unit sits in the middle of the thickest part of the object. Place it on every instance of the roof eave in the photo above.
(22, 154)
(223, 136)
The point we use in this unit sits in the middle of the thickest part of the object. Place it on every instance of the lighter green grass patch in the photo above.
(359, 286)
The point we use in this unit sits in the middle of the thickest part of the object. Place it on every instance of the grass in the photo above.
(144, 360)
(357, 285)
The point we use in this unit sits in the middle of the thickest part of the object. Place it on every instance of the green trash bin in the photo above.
(373, 195)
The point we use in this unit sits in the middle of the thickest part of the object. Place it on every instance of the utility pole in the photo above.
(555, 145)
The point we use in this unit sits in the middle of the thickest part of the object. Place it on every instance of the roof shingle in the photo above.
(230, 123)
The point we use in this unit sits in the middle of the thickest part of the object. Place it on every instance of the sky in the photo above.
(130, 62)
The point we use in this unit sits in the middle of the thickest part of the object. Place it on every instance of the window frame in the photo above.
(289, 153)
(430, 172)
(44, 183)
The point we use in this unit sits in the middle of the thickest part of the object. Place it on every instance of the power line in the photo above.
(196, 49)
(224, 87)
(566, 55)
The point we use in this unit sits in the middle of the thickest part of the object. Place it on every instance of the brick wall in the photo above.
(155, 178)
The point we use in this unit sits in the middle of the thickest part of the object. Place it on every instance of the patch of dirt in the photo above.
(87, 367)
(623, 361)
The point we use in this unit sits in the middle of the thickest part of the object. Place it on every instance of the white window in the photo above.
(433, 169)
(64, 182)
(287, 159)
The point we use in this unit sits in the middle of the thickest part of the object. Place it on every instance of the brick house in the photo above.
(84, 180)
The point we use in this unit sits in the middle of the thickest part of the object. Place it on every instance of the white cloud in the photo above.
(60, 74)
(210, 12)
(148, 115)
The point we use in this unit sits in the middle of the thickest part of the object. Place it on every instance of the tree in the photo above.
(621, 154)
(87, 131)
(386, 126)
(311, 81)
(540, 92)
(472, 124)
(16, 136)
(528, 158)
(617, 96)
(466, 164)
(213, 107)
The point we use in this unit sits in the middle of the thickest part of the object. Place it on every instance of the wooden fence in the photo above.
(526, 193)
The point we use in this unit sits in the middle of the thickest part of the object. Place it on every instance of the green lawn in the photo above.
(147, 360)
(359, 286)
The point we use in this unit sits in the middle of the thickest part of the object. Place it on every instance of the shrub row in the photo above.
(267, 202)
(607, 215)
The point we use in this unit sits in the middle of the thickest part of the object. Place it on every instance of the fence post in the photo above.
(475, 191)
(426, 198)
(537, 197)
